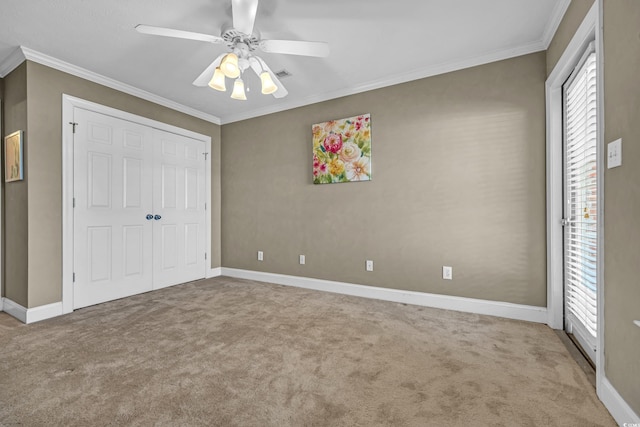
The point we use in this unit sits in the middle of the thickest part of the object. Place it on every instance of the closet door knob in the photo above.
(157, 217)
(149, 217)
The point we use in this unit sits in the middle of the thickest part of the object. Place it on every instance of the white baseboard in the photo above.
(1, 304)
(619, 409)
(31, 315)
(16, 310)
(214, 272)
(44, 312)
(470, 305)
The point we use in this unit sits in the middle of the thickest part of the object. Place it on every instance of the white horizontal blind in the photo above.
(581, 196)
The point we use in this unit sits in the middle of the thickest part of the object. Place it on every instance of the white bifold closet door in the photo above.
(139, 212)
(581, 209)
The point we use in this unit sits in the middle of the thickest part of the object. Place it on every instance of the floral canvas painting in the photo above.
(342, 150)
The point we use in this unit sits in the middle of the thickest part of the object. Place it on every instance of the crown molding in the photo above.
(24, 53)
(557, 14)
(430, 71)
(12, 62)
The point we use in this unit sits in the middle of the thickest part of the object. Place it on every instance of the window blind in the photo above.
(581, 195)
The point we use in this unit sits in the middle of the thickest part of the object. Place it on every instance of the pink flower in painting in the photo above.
(333, 142)
(318, 168)
(360, 121)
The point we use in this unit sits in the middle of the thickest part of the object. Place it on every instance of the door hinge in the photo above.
(205, 155)
(74, 202)
(205, 206)
(205, 255)
(74, 277)
(73, 125)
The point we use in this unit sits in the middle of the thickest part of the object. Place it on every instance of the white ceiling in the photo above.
(373, 44)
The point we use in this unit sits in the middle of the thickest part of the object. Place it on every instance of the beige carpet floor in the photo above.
(228, 352)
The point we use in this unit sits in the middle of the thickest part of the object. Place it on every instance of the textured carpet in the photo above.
(233, 352)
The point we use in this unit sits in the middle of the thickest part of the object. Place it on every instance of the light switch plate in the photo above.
(260, 256)
(614, 154)
(447, 272)
(302, 259)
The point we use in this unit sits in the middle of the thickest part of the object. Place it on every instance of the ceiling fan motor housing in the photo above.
(234, 38)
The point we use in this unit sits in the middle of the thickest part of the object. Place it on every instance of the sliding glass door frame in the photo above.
(588, 31)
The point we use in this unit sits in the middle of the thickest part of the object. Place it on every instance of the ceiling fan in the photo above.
(243, 40)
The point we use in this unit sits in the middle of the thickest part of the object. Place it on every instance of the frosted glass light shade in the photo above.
(238, 90)
(268, 86)
(218, 81)
(229, 66)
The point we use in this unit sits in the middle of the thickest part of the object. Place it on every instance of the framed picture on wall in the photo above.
(13, 170)
(342, 150)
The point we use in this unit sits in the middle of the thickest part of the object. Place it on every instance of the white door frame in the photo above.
(68, 104)
(589, 30)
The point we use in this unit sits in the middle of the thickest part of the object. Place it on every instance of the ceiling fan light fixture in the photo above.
(238, 90)
(218, 81)
(229, 66)
(268, 86)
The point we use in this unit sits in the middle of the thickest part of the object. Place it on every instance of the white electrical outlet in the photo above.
(302, 259)
(447, 272)
(260, 256)
(369, 265)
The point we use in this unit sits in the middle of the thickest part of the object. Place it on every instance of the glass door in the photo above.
(580, 210)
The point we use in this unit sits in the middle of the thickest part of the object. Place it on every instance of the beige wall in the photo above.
(458, 179)
(44, 89)
(622, 199)
(568, 26)
(15, 202)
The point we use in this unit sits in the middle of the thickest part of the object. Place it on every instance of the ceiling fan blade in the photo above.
(259, 66)
(204, 78)
(168, 32)
(294, 47)
(244, 15)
